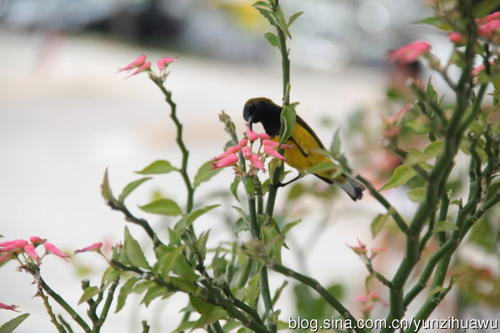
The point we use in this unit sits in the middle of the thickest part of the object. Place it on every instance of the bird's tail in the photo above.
(352, 187)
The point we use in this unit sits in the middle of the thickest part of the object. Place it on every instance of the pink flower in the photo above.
(489, 29)
(270, 143)
(30, 250)
(489, 18)
(35, 240)
(232, 150)
(362, 298)
(51, 248)
(242, 143)
(256, 162)
(13, 246)
(225, 162)
(145, 67)
(251, 135)
(4, 257)
(134, 64)
(374, 296)
(9, 307)
(94, 247)
(358, 249)
(409, 53)
(478, 69)
(271, 152)
(456, 37)
(391, 120)
(246, 151)
(264, 136)
(164, 62)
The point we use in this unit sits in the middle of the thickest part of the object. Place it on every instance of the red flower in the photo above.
(51, 248)
(13, 245)
(134, 64)
(9, 307)
(35, 240)
(225, 162)
(456, 37)
(409, 53)
(94, 247)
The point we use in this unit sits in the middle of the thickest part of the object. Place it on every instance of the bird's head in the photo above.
(259, 110)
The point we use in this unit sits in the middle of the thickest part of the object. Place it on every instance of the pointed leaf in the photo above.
(157, 167)
(205, 173)
(293, 18)
(288, 118)
(187, 220)
(131, 187)
(379, 221)
(88, 293)
(12, 324)
(335, 147)
(154, 292)
(272, 39)
(234, 187)
(417, 194)
(168, 260)
(134, 251)
(162, 207)
(106, 192)
(124, 292)
(321, 167)
(400, 176)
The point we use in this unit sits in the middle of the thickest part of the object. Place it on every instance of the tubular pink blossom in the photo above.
(35, 240)
(270, 143)
(246, 152)
(9, 307)
(395, 117)
(271, 152)
(30, 250)
(225, 162)
(489, 29)
(230, 151)
(360, 248)
(489, 18)
(256, 162)
(251, 135)
(13, 246)
(145, 67)
(164, 62)
(264, 136)
(94, 247)
(51, 248)
(409, 53)
(362, 298)
(456, 37)
(134, 64)
(242, 143)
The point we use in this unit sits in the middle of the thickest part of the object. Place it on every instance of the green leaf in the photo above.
(205, 173)
(432, 150)
(183, 269)
(157, 167)
(437, 22)
(109, 276)
(162, 207)
(168, 259)
(131, 187)
(417, 194)
(142, 286)
(293, 18)
(209, 313)
(154, 292)
(272, 39)
(290, 226)
(106, 192)
(379, 221)
(12, 324)
(336, 144)
(88, 293)
(234, 187)
(124, 292)
(322, 167)
(401, 175)
(134, 251)
(188, 219)
(279, 18)
(444, 226)
(252, 290)
(288, 120)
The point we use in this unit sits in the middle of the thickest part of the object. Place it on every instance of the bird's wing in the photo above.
(308, 128)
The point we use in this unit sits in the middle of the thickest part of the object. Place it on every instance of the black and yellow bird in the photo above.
(305, 146)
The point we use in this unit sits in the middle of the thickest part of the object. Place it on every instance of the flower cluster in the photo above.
(361, 250)
(27, 249)
(368, 302)
(266, 148)
(142, 65)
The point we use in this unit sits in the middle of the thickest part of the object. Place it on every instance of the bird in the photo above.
(305, 147)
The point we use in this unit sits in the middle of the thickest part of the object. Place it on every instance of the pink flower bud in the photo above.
(134, 64)
(230, 151)
(489, 29)
(4, 257)
(51, 248)
(264, 136)
(94, 247)
(359, 249)
(242, 143)
(246, 152)
(164, 62)
(225, 162)
(456, 37)
(271, 152)
(9, 307)
(489, 18)
(251, 135)
(362, 298)
(145, 67)
(13, 246)
(374, 296)
(398, 115)
(35, 240)
(409, 53)
(270, 143)
(256, 162)
(30, 250)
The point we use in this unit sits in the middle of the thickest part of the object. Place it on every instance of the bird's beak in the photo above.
(250, 122)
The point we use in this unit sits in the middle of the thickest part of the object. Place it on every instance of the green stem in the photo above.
(107, 305)
(60, 328)
(64, 323)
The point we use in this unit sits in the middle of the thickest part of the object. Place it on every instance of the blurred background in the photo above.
(66, 115)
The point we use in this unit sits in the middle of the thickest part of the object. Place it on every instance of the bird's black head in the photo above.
(263, 110)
